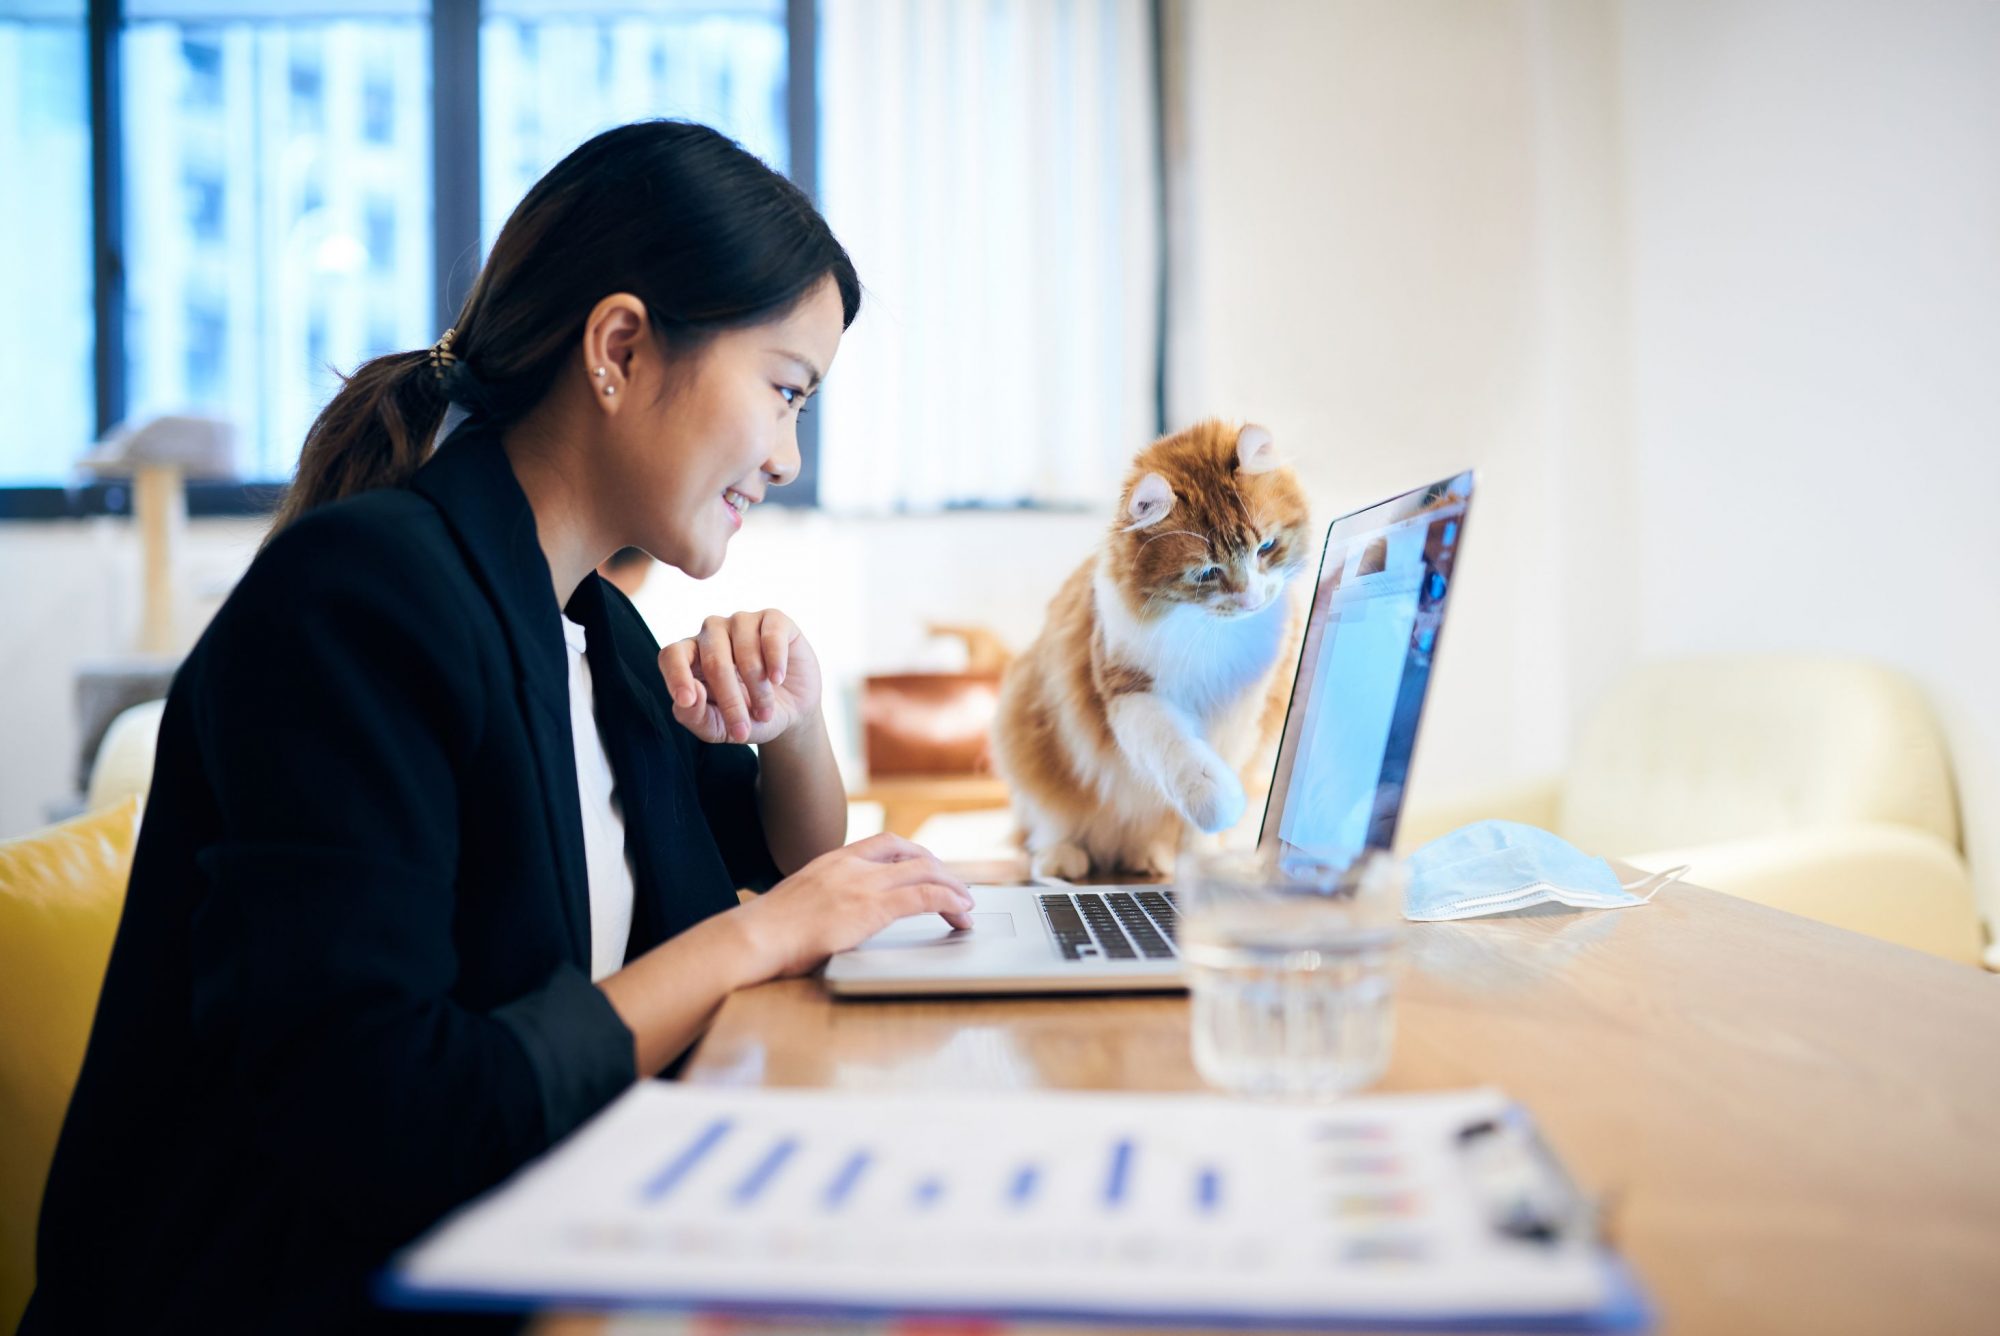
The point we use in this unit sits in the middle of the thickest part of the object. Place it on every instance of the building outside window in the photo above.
(46, 327)
(277, 223)
(552, 75)
(275, 173)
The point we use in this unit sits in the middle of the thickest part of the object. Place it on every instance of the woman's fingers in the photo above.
(776, 632)
(725, 688)
(930, 897)
(912, 872)
(898, 861)
(887, 848)
(681, 672)
(748, 647)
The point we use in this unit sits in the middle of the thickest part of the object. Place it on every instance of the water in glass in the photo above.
(1290, 970)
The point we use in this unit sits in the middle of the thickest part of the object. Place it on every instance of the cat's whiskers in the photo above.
(1187, 533)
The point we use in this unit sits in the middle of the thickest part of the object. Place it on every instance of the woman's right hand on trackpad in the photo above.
(844, 897)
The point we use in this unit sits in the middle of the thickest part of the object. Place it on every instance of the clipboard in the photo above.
(1428, 1212)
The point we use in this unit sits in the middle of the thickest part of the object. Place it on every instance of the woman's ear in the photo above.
(616, 343)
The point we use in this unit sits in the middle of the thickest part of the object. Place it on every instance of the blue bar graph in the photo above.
(766, 1169)
(677, 1168)
(843, 1182)
(1022, 1189)
(1208, 1189)
(1121, 1172)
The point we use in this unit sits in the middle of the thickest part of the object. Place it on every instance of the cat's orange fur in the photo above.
(1156, 687)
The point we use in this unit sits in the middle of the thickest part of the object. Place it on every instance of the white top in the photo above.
(603, 821)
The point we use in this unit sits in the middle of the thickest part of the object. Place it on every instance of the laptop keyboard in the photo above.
(1112, 925)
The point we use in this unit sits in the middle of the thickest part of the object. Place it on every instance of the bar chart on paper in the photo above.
(1054, 1204)
(862, 1177)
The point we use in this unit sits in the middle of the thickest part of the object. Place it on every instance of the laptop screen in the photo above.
(1352, 723)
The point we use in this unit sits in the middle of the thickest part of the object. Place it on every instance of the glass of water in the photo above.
(1290, 964)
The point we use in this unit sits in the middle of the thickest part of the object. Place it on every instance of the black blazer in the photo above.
(351, 986)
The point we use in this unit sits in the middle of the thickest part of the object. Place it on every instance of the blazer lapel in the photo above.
(656, 786)
(471, 482)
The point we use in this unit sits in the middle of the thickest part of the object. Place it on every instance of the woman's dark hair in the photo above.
(681, 217)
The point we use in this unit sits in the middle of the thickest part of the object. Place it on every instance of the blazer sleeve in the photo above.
(338, 698)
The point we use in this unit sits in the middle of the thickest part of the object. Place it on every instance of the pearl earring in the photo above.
(599, 373)
(610, 390)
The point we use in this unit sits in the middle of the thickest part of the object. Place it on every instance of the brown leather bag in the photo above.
(929, 723)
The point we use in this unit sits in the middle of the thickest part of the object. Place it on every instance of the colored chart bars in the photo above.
(753, 1173)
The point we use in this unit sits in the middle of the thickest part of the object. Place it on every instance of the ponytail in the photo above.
(376, 432)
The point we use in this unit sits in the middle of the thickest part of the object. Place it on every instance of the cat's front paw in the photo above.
(1211, 797)
(1060, 862)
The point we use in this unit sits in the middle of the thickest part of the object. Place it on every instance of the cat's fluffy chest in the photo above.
(1203, 663)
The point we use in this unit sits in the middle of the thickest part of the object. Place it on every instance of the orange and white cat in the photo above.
(1128, 724)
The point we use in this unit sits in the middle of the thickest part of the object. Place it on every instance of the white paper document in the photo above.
(1385, 1209)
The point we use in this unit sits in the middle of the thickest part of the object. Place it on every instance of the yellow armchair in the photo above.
(61, 892)
(1819, 786)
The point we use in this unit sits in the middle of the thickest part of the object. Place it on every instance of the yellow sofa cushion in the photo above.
(61, 891)
(1698, 751)
(1902, 885)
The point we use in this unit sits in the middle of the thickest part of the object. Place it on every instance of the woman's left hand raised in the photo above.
(746, 678)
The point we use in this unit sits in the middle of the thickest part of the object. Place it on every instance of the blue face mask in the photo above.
(1490, 867)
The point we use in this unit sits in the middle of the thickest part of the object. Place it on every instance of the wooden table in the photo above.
(1798, 1127)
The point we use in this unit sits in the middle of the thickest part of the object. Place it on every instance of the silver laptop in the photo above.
(1337, 789)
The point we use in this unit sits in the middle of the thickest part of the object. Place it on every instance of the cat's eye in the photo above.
(1206, 575)
(1268, 546)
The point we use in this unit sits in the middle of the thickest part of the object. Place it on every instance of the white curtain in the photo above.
(990, 165)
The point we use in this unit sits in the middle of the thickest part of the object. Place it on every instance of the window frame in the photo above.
(455, 181)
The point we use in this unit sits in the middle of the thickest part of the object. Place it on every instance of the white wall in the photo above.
(1815, 191)
(861, 589)
(1406, 249)
(69, 593)
(1710, 292)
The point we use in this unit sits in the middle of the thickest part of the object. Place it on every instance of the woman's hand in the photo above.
(842, 897)
(746, 678)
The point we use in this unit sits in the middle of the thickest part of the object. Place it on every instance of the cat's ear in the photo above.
(1151, 500)
(1256, 452)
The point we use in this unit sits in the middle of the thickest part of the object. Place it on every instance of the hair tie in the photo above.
(465, 389)
(442, 356)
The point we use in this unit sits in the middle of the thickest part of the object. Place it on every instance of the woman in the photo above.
(442, 849)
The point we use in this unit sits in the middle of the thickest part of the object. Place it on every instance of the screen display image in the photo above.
(1377, 607)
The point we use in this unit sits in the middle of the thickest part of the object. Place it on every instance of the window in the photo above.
(1007, 352)
(204, 205)
(270, 163)
(381, 227)
(552, 75)
(201, 55)
(264, 212)
(272, 191)
(308, 92)
(378, 107)
(46, 340)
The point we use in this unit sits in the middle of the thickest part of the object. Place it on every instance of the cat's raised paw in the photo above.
(1212, 799)
(1064, 862)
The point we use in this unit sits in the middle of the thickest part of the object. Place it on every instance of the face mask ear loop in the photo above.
(1658, 882)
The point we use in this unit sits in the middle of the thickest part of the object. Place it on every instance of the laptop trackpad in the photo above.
(930, 930)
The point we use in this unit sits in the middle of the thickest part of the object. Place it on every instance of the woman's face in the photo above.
(692, 461)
